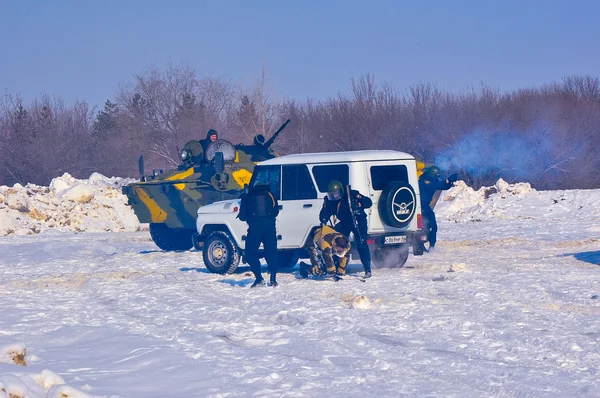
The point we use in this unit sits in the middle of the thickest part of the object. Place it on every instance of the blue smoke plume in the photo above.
(522, 156)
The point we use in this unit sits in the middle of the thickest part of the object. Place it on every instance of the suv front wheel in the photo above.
(220, 254)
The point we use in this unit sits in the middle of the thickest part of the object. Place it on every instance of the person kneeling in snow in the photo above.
(326, 243)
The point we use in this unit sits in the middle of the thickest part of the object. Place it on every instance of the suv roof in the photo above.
(335, 157)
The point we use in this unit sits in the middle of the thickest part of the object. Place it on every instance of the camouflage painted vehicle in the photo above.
(169, 200)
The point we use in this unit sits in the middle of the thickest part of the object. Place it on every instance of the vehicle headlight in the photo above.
(185, 154)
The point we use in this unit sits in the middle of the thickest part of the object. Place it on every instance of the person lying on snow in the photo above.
(327, 243)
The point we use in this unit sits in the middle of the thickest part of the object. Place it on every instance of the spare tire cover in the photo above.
(224, 146)
(397, 204)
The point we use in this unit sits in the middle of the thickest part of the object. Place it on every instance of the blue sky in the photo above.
(83, 50)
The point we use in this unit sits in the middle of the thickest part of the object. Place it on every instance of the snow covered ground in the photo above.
(507, 306)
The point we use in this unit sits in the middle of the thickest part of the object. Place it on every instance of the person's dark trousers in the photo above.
(265, 233)
(431, 224)
(363, 249)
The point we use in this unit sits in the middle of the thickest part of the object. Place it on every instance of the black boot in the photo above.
(303, 269)
(273, 281)
(258, 283)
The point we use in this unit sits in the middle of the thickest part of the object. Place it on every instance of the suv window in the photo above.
(383, 175)
(270, 175)
(297, 183)
(326, 173)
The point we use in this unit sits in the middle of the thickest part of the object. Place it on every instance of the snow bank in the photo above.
(97, 205)
(13, 353)
(463, 203)
(519, 201)
(45, 384)
(17, 383)
(68, 204)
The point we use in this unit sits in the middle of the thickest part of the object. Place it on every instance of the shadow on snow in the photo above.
(588, 257)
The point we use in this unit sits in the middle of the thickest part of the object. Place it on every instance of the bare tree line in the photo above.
(548, 136)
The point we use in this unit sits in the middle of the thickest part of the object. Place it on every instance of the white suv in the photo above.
(299, 182)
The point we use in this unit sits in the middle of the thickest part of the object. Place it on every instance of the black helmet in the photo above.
(259, 140)
(335, 190)
(433, 172)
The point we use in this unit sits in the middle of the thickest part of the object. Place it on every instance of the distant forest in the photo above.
(548, 136)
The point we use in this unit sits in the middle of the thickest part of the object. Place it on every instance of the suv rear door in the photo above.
(300, 206)
(380, 174)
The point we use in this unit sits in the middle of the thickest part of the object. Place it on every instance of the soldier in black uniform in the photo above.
(429, 182)
(336, 204)
(211, 137)
(259, 209)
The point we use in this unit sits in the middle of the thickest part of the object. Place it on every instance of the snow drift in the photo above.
(97, 205)
(68, 204)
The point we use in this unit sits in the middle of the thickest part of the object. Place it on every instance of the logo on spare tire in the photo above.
(397, 204)
(403, 204)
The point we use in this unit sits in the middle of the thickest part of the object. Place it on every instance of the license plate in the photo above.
(389, 240)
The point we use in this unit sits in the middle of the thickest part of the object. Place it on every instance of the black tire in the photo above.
(389, 256)
(220, 254)
(170, 239)
(288, 258)
(397, 204)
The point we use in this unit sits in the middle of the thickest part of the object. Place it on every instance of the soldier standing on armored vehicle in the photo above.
(212, 169)
(211, 137)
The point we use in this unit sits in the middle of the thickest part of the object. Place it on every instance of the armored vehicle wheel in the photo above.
(220, 254)
(389, 256)
(397, 204)
(288, 258)
(170, 238)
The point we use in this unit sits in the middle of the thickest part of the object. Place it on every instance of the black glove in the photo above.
(453, 177)
(354, 205)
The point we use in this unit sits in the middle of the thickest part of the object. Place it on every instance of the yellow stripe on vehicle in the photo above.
(156, 213)
(420, 168)
(242, 177)
(181, 176)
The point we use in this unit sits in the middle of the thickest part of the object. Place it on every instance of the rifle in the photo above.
(357, 234)
(267, 144)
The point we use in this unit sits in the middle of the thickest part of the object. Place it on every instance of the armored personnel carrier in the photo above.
(169, 200)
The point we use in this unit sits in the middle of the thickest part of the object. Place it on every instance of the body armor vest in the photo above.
(261, 205)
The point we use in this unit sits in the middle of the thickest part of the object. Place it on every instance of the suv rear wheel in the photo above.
(389, 256)
(220, 254)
